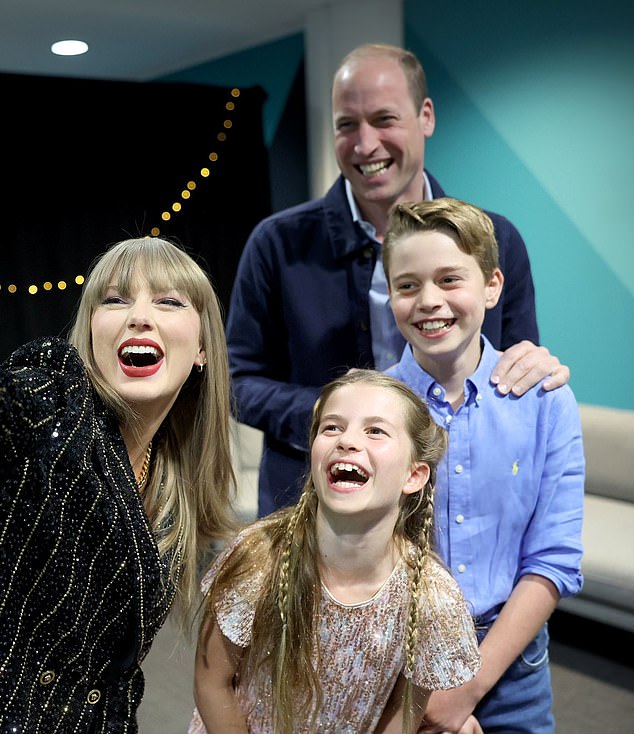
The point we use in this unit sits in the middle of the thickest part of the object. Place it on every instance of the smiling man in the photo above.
(310, 299)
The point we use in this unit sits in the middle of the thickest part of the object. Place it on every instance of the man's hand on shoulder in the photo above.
(523, 365)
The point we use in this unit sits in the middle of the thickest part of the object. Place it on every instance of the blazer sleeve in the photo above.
(256, 338)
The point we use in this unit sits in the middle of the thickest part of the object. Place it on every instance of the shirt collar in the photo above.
(424, 384)
(370, 229)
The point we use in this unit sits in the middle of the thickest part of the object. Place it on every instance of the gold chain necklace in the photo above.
(145, 469)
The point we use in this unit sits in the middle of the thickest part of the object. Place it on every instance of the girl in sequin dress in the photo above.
(115, 475)
(334, 616)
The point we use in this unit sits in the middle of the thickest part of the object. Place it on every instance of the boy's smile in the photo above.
(435, 326)
(439, 296)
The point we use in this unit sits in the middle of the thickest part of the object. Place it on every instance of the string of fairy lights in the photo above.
(172, 210)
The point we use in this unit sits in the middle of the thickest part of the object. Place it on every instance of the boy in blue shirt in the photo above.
(509, 498)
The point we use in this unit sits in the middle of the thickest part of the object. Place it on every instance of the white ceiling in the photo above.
(139, 40)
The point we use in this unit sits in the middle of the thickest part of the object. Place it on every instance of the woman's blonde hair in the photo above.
(192, 485)
(284, 638)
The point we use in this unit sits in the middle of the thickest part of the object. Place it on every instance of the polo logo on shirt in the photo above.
(516, 467)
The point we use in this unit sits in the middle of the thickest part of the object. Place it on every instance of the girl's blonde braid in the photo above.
(417, 585)
(281, 689)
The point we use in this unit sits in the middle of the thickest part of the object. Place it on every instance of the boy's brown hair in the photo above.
(467, 224)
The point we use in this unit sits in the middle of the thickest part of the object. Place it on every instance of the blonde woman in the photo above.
(115, 477)
(334, 615)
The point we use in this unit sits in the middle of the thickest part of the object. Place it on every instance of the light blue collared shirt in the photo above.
(509, 492)
(387, 342)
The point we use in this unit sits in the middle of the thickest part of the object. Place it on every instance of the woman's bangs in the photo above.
(160, 263)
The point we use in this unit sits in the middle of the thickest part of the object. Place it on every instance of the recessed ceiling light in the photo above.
(69, 48)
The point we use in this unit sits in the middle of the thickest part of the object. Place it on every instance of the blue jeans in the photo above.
(521, 702)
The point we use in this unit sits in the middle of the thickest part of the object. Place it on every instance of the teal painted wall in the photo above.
(535, 117)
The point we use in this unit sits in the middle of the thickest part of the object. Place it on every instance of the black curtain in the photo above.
(88, 162)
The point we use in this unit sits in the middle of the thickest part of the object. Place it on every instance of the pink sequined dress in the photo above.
(362, 650)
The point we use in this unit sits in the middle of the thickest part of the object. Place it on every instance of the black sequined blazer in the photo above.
(83, 591)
